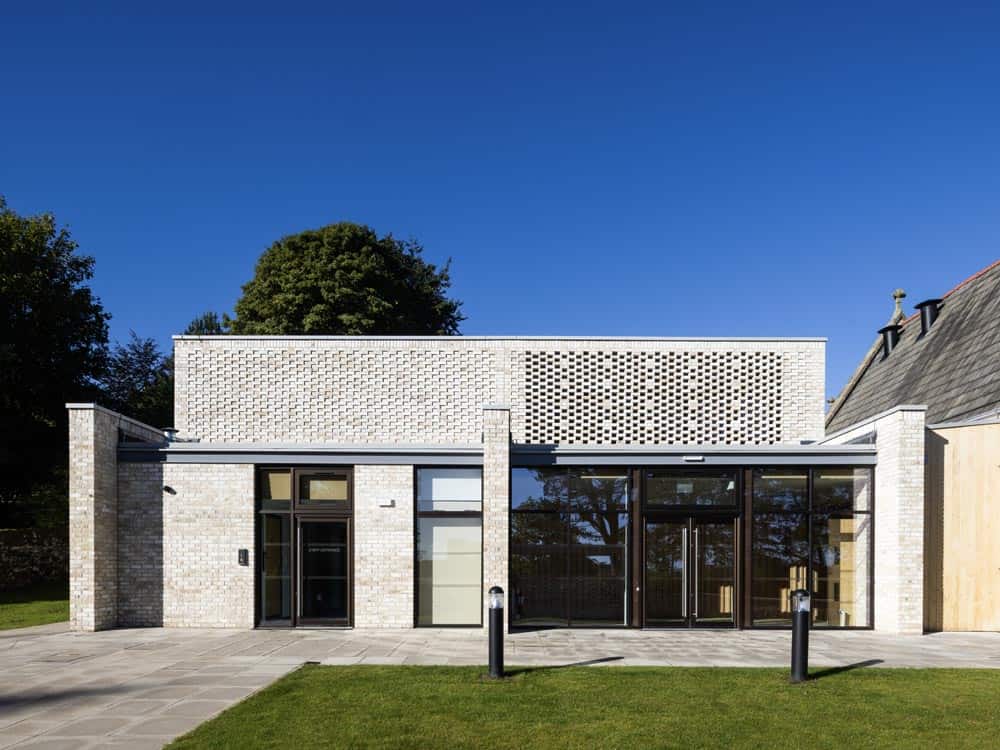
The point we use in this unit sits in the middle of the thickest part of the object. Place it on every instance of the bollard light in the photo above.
(496, 632)
(801, 613)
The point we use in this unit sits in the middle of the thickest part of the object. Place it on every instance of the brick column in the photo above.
(899, 522)
(383, 546)
(496, 502)
(93, 517)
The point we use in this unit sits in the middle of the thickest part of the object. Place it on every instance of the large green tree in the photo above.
(344, 279)
(53, 348)
(140, 382)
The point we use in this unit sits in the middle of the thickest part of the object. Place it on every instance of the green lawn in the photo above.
(39, 604)
(599, 707)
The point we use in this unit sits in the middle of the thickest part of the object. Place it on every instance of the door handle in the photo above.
(684, 573)
(697, 558)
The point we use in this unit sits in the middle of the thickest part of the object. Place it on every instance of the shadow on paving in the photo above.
(55, 696)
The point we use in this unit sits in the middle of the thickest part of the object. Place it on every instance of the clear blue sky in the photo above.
(662, 169)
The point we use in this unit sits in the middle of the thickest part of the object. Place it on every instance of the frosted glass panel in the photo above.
(450, 489)
(277, 485)
(449, 564)
(323, 488)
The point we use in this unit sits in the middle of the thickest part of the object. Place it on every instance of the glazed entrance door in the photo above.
(324, 572)
(690, 572)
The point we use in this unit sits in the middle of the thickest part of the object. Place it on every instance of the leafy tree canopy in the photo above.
(53, 347)
(140, 379)
(344, 279)
(209, 324)
(139, 382)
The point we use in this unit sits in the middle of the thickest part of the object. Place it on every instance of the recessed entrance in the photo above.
(690, 572)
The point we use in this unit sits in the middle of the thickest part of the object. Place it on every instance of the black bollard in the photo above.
(800, 635)
(496, 632)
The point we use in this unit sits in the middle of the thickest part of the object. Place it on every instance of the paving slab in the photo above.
(88, 727)
(140, 688)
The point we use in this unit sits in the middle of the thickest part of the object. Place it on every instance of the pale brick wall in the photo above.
(93, 517)
(899, 515)
(383, 546)
(431, 390)
(140, 544)
(496, 504)
(207, 519)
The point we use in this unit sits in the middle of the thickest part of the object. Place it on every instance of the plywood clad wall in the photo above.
(962, 528)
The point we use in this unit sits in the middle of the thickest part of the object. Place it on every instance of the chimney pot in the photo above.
(929, 309)
(890, 337)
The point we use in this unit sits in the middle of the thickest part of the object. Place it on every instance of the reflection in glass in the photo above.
(598, 556)
(841, 549)
(324, 568)
(276, 567)
(672, 487)
(569, 550)
(539, 568)
(714, 582)
(449, 571)
(841, 489)
(449, 490)
(780, 558)
(538, 489)
(595, 489)
(327, 489)
(780, 490)
(665, 591)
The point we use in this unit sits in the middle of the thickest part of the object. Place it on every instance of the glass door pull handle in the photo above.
(697, 561)
(684, 567)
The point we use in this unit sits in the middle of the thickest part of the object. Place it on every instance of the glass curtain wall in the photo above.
(569, 546)
(811, 529)
(449, 546)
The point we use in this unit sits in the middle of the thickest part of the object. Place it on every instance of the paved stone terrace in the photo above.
(141, 688)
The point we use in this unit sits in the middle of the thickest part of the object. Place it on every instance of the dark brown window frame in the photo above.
(693, 513)
(418, 514)
(705, 471)
(808, 512)
(741, 513)
(627, 508)
(296, 512)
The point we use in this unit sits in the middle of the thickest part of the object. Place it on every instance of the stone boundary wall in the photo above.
(30, 556)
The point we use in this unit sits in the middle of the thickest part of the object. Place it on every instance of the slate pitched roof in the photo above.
(954, 370)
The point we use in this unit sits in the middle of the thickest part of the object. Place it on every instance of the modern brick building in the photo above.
(389, 482)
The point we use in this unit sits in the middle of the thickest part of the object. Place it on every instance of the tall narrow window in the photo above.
(449, 546)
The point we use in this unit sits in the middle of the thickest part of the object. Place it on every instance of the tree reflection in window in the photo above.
(569, 551)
